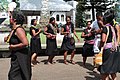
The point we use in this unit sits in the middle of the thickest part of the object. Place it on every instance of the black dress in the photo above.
(20, 61)
(35, 43)
(110, 58)
(87, 47)
(66, 44)
(51, 47)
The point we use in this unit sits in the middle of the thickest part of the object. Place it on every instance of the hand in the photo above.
(49, 36)
(11, 47)
(5, 39)
(53, 36)
(67, 32)
(39, 30)
(78, 40)
(88, 35)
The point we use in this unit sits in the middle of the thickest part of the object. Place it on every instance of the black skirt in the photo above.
(110, 62)
(51, 48)
(35, 45)
(87, 50)
(20, 65)
(66, 44)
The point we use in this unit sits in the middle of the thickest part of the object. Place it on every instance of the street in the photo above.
(57, 71)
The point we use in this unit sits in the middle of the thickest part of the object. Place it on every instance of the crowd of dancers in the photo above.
(23, 55)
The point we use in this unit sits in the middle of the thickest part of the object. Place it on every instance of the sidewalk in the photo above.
(57, 71)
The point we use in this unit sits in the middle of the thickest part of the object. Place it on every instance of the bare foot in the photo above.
(84, 65)
(65, 62)
(73, 62)
(48, 63)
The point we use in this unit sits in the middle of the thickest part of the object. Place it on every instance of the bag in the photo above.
(98, 58)
(72, 41)
(9, 36)
(50, 37)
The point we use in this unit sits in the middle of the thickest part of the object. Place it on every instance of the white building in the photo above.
(58, 9)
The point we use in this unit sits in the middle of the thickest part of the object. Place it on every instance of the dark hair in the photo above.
(109, 16)
(32, 21)
(99, 14)
(13, 0)
(88, 22)
(68, 17)
(19, 17)
(51, 19)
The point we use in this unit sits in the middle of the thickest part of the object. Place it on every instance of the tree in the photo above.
(99, 5)
(3, 5)
(80, 9)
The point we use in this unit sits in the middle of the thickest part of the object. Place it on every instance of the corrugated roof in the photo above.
(53, 5)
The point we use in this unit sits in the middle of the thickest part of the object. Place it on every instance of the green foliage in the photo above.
(3, 5)
(116, 8)
(80, 8)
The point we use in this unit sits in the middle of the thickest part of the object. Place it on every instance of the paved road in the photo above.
(57, 71)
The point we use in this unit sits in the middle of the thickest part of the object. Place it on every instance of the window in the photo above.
(57, 17)
(88, 16)
(62, 17)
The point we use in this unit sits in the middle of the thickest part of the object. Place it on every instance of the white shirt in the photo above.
(11, 6)
(95, 25)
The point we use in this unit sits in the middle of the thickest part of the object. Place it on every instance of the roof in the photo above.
(53, 5)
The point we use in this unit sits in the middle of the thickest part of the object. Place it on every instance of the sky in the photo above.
(9, 0)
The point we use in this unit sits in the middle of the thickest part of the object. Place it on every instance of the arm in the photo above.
(64, 33)
(35, 34)
(98, 31)
(48, 35)
(118, 33)
(76, 36)
(22, 36)
(103, 39)
(45, 31)
(83, 35)
(93, 26)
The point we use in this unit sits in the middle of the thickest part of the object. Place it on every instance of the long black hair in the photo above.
(68, 17)
(51, 19)
(109, 16)
(32, 21)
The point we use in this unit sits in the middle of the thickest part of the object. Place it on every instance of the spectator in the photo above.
(97, 26)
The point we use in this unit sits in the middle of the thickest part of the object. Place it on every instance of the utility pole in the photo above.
(45, 13)
(93, 12)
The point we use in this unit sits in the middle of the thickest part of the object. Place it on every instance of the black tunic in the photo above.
(66, 44)
(51, 47)
(110, 59)
(20, 61)
(35, 43)
(88, 48)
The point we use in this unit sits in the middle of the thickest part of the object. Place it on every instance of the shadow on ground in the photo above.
(93, 73)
